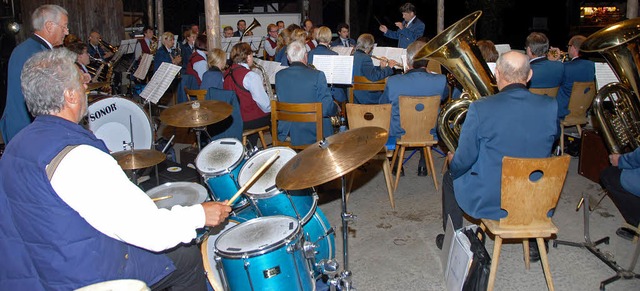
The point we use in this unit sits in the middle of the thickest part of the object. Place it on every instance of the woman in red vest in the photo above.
(255, 106)
(197, 65)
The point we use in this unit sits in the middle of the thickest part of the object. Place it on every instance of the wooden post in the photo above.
(160, 17)
(347, 5)
(632, 9)
(150, 14)
(212, 19)
(440, 24)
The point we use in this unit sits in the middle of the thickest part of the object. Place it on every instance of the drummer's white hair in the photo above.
(46, 77)
(296, 51)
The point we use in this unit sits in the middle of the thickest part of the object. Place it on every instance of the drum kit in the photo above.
(276, 238)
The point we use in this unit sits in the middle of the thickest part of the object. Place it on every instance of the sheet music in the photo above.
(337, 69)
(270, 68)
(342, 50)
(604, 75)
(503, 48)
(160, 82)
(143, 68)
(228, 42)
(128, 46)
(391, 53)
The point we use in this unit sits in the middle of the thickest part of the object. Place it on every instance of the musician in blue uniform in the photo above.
(576, 70)
(409, 30)
(546, 73)
(622, 182)
(363, 66)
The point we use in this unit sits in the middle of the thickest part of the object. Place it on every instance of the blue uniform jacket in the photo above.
(96, 53)
(301, 84)
(338, 42)
(163, 55)
(513, 123)
(185, 52)
(546, 73)
(212, 78)
(417, 82)
(363, 66)
(577, 70)
(407, 35)
(339, 92)
(630, 177)
(231, 126)
(16, 116)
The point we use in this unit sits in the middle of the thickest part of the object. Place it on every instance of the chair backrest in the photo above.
(362, 83)
(361, 115)
(530, 188)
(295, 112)
(199, 94)
(418, 116)
(551, 92)
(433, 66)
(582, 95)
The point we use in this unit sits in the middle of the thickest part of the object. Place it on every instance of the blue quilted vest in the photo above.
(45, 244)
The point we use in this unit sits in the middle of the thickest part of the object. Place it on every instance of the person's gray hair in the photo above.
(365, 42)
(45, 78)
(296, 51)
(45, 13)
(538, 43)
(513, 67)
(412, 50)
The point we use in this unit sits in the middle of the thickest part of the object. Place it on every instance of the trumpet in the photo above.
(557, 54)
(107, 46)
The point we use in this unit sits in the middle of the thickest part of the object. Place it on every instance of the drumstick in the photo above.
(161, 198)
(254, 178)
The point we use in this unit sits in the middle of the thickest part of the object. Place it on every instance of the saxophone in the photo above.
(456, 49)
(620, 123)
(265, 81)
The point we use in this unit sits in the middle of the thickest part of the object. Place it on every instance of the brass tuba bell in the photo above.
(619, 43)
(249, 28)
(456, 49)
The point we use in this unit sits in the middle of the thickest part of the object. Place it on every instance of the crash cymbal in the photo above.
(97, 85)
(196, 113)
(138, 159)
(334, 157)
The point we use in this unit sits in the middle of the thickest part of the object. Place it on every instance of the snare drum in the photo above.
(178, 193)
(207, 248)
(219, 163)
(113, 119)
(301, 204)
(264, 253)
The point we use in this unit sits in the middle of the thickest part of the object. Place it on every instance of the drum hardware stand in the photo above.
(344, 279)
(328, 267)
(605, 257)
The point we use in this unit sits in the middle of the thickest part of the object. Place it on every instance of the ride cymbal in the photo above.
(331, 158)
(138, 159)
(196, 113)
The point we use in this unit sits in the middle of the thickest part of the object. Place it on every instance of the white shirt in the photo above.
(253, 82)
(410, 21)
(45, 41)
(92, 183)
(531, 60)
(201, 66)
(271, 51)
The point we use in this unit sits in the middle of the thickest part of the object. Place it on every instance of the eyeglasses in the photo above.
(63, 27)
(273, 31)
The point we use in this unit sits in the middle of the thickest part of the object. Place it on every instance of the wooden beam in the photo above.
(160, 17)
(632, 9)
(212, 19)
(440, 24)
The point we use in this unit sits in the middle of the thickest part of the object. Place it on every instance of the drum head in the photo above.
(257, 236)
(117, 285)
(266, 184)
(220, 156)
(111, 120)
(178, 193)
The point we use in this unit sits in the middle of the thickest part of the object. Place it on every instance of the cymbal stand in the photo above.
(154, 135)
(134, 179)
(344, 279)
(605, 257)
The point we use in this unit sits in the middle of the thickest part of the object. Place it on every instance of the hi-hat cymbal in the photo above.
(334, 157)
(196, 113)
(138, 159)
(97, 85)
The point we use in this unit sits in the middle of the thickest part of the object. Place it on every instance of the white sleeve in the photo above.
(92, 183)
(271, 51)
(253, 83)
(138, 50)
(201, 68)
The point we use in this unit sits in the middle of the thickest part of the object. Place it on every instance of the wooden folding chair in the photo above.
(295, 112)
(582, 95)
(551, 92)
(362, 83)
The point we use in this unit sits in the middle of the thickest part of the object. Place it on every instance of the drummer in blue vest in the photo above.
(81, 221)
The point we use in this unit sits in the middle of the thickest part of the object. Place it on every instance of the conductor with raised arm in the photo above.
(409, 30)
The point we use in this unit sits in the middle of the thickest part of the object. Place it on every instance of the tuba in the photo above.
(455, 48)
(619, 44)
(249, 28)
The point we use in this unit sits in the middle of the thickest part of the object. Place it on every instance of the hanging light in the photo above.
(14, 27)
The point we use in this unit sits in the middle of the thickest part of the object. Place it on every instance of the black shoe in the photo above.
(422, 171)
(395, 170)
(626, 233)
(534, 254)
(440, 240)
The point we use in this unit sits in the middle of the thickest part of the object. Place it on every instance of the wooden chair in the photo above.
(379, 115)
(528, 204)
(295, 112)
(417, 117)
(582, 95)
(362, 83)
(551, 92)
(199, 94)
(435, 67)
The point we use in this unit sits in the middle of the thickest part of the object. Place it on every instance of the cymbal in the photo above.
(97, 85)
(334, 157)
(196, 113)
(138, 159)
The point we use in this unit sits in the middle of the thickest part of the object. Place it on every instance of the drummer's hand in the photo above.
(215, 212)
